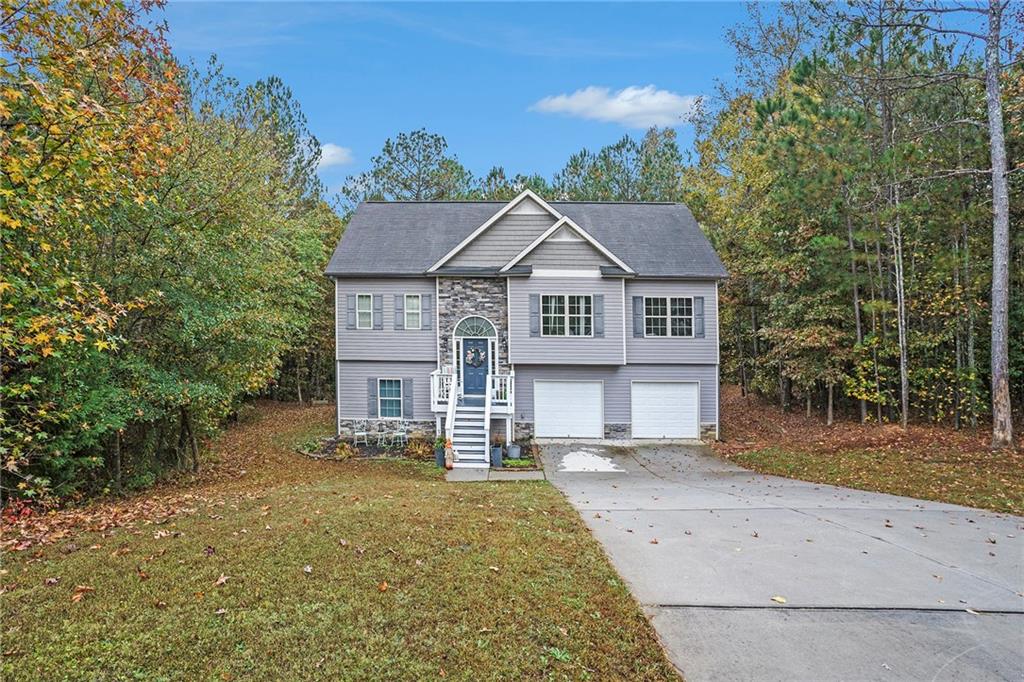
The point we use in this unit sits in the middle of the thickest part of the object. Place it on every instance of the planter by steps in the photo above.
(496, 457)
(439, 457)
(514, 451)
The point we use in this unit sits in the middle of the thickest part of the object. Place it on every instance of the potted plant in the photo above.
(439, 444)
(496, 446)
(514, 451)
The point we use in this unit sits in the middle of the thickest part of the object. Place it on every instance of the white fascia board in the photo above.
(525, 194)
(567, 221)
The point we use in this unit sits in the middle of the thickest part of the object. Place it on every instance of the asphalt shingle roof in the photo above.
(405, 238)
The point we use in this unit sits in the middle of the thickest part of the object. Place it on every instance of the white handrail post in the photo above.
(449, 422)
(487, 418)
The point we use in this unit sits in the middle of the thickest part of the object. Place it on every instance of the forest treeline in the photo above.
(164, 231)
(164, 234)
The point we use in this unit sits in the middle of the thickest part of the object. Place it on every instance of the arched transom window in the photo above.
(475, 327)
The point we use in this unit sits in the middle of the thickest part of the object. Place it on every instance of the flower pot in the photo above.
(496, 457)
(439, 457)
(514, 451)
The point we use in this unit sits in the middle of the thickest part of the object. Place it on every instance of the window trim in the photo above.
(668, 318)
(400, 399)
(405, 311)
(566, 315)
(370, 297)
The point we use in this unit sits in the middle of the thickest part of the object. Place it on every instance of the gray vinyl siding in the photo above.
(503, 240)
(388, 342)
(352, 378)
(566, 256)
(617, 386)
(673, 349)
(564, 350)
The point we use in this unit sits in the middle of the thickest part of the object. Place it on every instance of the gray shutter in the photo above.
(599, 315)
(407, 398)
(638, 316)
(698, 317)
(399, 311)
(426, 311)
(534, 314)
(371, 397)
(378, 311)
(350, 311)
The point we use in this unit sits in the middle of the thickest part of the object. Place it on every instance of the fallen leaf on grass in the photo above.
(80, 592)
(493, 568)
(221, 580)
(51, 581)
(383, 587)
(142, 574)
(307, 569)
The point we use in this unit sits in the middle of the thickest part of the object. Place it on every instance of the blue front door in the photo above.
(475, 365)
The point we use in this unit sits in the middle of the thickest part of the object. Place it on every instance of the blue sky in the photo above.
(518, 85)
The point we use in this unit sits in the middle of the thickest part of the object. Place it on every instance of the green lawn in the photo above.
(335, 570)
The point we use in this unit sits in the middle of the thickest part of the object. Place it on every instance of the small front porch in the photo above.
(464, 409)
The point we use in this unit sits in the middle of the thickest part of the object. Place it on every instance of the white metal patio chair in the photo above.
(400, 436)
(383, 434)
(361, 433)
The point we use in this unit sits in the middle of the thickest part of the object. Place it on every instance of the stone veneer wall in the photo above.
(459, 297)
(417, 428)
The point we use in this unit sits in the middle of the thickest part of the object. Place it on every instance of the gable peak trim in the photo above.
(563, 223)
(525, 194)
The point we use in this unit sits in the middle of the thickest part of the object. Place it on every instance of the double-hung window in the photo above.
(668, 316)
(389, 398)
(364, 311)
(412, 312)
(567, 315)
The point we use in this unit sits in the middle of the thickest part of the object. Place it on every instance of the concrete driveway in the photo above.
(876, 587)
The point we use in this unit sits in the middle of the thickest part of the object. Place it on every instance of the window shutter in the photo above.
(399, 311)
(534, 314)
(698, 317)
(371, 397)
(599, 315)
(350, 311)
(638, 316)
(378, 311)
(426, 311)
(407, 398)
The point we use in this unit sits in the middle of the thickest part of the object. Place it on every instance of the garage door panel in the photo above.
(665, 409)
(568, 409)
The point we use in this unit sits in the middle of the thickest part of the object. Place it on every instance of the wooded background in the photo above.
(164, 231)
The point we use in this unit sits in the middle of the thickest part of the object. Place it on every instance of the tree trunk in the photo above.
(1002, 424)
(117, 458)
(808, 403)
(856, 303)
(829, 420)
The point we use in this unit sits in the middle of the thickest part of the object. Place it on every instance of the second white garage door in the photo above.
(665, 409)
(568, 409)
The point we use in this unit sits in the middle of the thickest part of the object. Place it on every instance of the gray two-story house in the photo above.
(527, 318)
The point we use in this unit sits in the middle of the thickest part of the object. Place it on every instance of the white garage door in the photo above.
(568, 409)
(665, 409)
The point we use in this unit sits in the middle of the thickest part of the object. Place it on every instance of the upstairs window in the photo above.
(389, 398)
(412, 312)
(364, 311)
(567, 315)
(668, 316)
(552, 316)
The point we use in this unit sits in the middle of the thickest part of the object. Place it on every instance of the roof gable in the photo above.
(566, 229)
(527, 203)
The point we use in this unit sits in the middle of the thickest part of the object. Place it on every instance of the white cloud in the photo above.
(334, 155)
(634, 107)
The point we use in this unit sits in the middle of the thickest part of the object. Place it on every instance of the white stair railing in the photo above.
(449, 420)
(487, 421)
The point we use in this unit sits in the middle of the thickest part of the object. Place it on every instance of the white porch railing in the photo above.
(502, 387)
(440, 389)
(500, 390)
